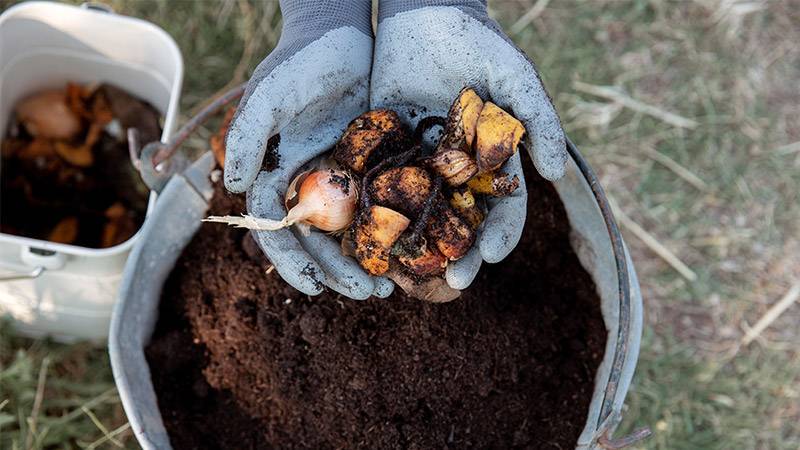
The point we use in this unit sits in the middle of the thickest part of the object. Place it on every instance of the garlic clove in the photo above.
(455, 166)
(498, 135)
(290, 201)
(326, 200)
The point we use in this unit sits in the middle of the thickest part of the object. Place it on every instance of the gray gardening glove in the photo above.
(425, 52)
(314, 82)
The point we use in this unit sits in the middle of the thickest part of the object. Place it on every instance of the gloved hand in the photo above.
(425, 52)
(314, 82)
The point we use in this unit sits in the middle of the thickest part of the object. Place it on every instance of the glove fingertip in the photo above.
(460, 274)
(383, 287)
(550, 159)
(310, 280)
(503, 229)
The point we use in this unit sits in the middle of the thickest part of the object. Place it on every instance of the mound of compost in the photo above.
(240, 359)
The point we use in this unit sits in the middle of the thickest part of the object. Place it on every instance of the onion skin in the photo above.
(326, 199)
(47, 115)
(455, 166)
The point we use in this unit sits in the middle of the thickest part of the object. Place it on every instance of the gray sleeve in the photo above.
(389, 8)
(305, 21)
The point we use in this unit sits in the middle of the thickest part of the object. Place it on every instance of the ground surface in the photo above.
(719, 191)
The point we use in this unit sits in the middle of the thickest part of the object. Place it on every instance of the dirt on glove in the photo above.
(240, 359)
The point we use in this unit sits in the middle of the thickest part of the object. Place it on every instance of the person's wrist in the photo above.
(389, 8)
(320, 16)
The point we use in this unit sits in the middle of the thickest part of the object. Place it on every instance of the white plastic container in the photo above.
(67, 291)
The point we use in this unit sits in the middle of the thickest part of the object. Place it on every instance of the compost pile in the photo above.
(66, 171)
(239, 359)
(402, 209)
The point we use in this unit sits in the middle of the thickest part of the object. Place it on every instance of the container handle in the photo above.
(13, 276)
(158, 161)
(97, 6)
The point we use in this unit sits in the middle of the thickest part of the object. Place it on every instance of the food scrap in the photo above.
(401, 210)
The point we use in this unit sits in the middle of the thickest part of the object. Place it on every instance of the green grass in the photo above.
(732, 66)
(57, 396)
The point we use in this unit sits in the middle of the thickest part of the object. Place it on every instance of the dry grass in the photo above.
(723, 197)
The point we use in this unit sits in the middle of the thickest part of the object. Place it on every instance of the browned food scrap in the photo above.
(37, 148)
(11, 146)
(47, 115)
(131, 112)
(77, 155)
(451, 234)
(420, 258)
(403, 189)
(217, 141)
(498, 135)
(462, 120)
(119, 228)
(76, 98)
(455, 166)
(496, 184)
(463, 201)
(431, 289)
(375, 234)
(81, 155)
(366, 137)
(65, 231)
(101, 110)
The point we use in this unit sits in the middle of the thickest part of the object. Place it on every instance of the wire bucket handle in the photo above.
(158, 161)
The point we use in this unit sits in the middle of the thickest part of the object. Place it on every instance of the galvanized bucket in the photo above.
(183, 202)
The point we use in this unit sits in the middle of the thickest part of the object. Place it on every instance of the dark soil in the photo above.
(242, 360)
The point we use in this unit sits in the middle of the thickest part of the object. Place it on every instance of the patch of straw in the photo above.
(772, 314)
(536, 10)
(652, 243)
(677, 168)
(614, 94)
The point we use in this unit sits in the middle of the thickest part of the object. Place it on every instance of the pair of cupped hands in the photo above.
(327, 69)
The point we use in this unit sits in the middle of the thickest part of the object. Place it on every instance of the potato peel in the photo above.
(375, 234)
(498, 135)
(402, 189)
(366, 136)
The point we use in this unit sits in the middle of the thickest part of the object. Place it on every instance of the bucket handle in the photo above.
(158, 161)
(609, 418)
(98, 6)
(13, 276)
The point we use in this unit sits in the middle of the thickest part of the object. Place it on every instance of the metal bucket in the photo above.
(184, 202)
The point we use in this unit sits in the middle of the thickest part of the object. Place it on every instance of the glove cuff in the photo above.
(317, 17)
(389, 8)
